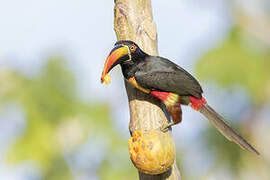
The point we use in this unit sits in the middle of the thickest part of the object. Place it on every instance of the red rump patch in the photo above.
(160, 95)
(196, 103)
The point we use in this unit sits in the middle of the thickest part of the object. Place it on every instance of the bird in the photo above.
(171, 84)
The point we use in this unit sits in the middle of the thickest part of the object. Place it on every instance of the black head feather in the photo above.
(126, 42)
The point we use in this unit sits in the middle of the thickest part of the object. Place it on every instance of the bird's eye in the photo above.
(132, 48)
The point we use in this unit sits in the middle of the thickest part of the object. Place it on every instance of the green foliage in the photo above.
(236, 63)
(118, 166)
(225, 151)
(58, 122)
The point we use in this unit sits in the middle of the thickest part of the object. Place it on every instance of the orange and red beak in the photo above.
(116, 55)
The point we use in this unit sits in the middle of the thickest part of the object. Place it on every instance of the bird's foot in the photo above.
(166, 127)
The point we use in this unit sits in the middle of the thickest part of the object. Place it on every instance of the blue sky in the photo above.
(82, 31)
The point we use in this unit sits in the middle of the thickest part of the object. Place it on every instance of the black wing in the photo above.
(159, 73)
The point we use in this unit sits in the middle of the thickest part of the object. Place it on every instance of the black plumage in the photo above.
(154, 73)
(158, 73)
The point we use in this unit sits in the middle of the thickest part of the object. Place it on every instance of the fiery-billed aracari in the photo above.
(171, 84)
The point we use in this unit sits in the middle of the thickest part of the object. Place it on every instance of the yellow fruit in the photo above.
(107, 78)
(151, 152)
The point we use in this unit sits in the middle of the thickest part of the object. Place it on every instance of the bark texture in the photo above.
(133, 20)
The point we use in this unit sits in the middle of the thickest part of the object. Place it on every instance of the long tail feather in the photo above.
(225, 129)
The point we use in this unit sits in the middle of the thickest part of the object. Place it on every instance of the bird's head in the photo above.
(123, 51)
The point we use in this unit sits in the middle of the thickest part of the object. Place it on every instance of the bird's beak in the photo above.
(113, 59)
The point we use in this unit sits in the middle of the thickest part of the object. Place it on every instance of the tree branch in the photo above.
(134, 21)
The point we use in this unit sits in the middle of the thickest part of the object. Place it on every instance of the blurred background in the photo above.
(58, 122)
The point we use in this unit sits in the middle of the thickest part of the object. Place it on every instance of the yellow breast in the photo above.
(133, 82)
